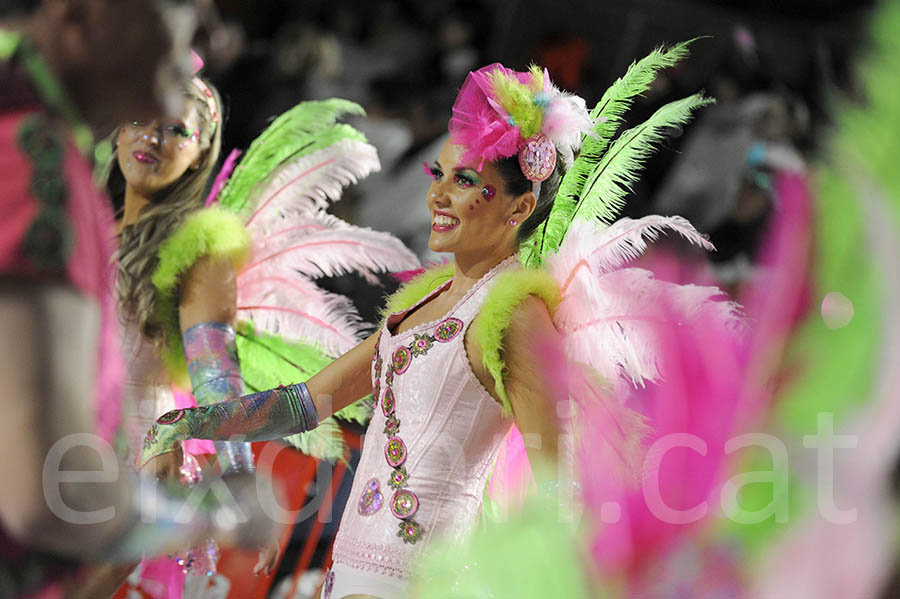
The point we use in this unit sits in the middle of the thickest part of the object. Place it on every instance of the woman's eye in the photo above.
(463, 180)
(179, 130)
(433, 172)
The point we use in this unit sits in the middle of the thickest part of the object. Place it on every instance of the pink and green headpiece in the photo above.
(501, 113)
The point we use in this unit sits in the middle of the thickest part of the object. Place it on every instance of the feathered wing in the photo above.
(609, 315)
(309, 182)
(320, 244)
(291, 327)
(301, 131)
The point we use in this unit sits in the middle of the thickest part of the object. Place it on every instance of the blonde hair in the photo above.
(139, 242)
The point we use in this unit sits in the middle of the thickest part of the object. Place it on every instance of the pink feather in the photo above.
(222, 177)
(608, 314)
(715, 385)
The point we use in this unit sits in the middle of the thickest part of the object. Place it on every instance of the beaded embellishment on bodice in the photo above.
(430, 445)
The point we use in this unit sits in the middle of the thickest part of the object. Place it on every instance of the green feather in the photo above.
(268, 361)
(532, 554)
(302, 130)
(612, 177)
(506, 295)
(420, 286)
(607, 116)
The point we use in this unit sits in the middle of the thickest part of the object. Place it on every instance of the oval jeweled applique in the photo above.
(410, 531)
(420, 345)
(404, 504)
(400, 360)
(448, 330)
(171, 417)
(371, 499)
(387, 402)
(395, 451)
(399, 478)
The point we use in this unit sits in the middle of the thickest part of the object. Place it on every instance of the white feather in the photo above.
(327, 320)
(308, 184)
(323, 245)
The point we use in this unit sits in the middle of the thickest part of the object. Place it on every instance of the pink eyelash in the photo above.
(428, 171)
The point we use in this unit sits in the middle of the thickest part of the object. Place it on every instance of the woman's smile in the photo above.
(442, 222)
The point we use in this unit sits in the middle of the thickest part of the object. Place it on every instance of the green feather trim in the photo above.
(411, 292)
(608, 117)
(209, 232)
(302, 130)
(509, 290)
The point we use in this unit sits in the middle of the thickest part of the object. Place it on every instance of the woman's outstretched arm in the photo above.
(270, 414)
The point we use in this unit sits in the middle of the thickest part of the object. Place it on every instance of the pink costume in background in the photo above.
(428, 451)
(88, 217)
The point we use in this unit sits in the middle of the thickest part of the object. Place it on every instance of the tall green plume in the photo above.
(611, 178)
(608, 117)
(302, 130)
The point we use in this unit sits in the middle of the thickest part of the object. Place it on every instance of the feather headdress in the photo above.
(499, 111)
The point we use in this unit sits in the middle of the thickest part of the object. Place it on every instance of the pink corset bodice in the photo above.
(429, 447)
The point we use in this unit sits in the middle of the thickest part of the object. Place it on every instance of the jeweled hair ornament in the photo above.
(500, 113)
(209, 97)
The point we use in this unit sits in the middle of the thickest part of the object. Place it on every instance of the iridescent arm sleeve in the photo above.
(215, 373)
(260, 416)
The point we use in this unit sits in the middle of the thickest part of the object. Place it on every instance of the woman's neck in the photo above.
(134, 203)
(468, 270)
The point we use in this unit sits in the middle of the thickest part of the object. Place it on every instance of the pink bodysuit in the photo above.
(427, 454)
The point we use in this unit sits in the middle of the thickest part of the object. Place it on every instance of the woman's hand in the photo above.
(268, 559)
(167, 465)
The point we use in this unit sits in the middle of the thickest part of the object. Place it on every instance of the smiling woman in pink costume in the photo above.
(453, 368)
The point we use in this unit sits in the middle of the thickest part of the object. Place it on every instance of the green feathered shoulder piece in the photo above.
(510, 289)
(214, 232)
(417, 288)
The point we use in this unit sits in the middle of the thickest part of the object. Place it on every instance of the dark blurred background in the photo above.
(771, 65)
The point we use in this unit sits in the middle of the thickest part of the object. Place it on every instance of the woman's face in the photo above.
(154, 155)
(470, 211)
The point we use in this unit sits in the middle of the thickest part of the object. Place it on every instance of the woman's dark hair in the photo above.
(515, 184)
